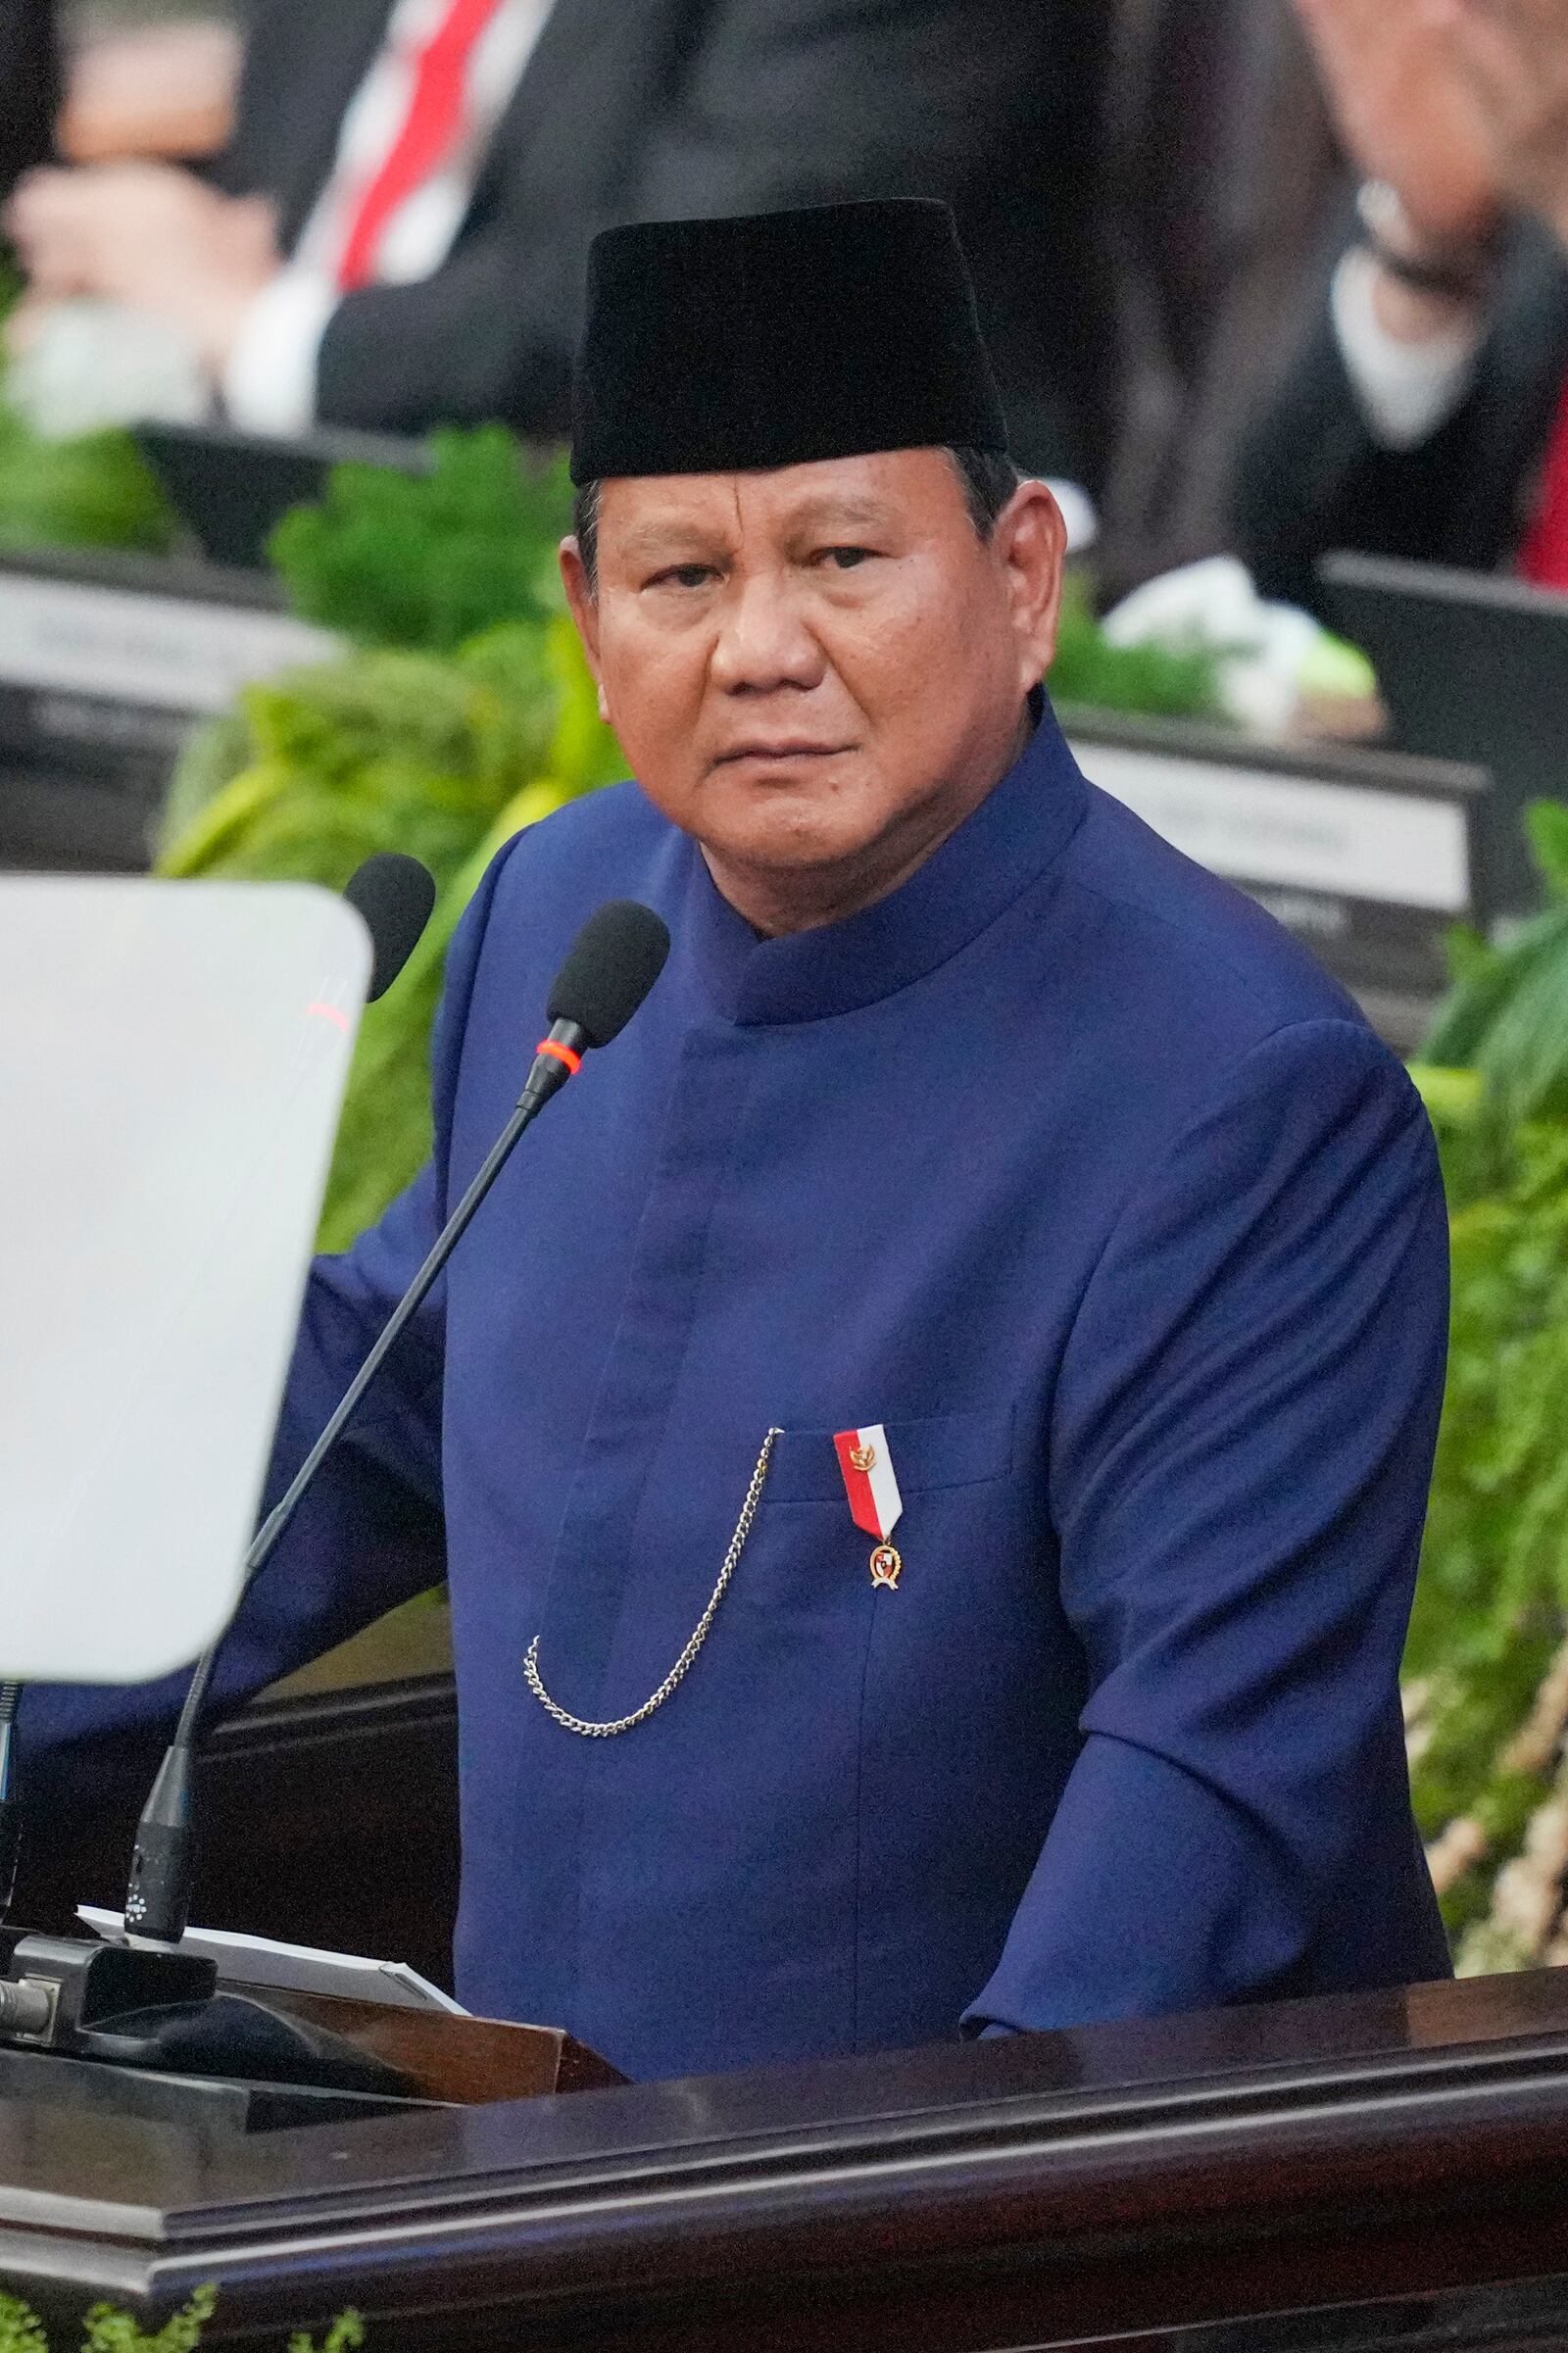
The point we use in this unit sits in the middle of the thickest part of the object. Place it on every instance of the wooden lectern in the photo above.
(1374, 2171)
(1379, 2171)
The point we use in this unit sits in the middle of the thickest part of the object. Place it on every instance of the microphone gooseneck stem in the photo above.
(163, 1865)
(10, 1803)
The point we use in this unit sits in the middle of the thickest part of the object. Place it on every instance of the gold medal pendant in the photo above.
(887, 1567)
(876, 1506)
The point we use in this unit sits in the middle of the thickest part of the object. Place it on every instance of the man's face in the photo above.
(818, 671)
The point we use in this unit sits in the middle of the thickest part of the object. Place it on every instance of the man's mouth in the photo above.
(790, 747)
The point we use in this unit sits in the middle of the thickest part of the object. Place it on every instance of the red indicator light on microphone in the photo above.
(561, 1053)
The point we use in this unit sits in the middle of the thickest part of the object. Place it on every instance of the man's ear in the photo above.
(584, 606)
(1030, 541)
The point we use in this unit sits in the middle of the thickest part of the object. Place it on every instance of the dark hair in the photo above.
(988, 479)
(585, 530)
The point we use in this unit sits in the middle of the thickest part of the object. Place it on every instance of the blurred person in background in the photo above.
(1426, 415)
(395, 235)
(1224, 179)
(29, 87)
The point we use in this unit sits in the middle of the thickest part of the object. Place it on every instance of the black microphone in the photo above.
(613, 963)
(609, 969)
(393, 895)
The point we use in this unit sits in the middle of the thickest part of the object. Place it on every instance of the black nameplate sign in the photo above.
(106, 662)
(1367, 857)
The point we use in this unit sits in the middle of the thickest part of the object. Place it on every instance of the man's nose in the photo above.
(763, 642)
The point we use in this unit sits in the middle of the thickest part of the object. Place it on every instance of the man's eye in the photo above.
(847, 559)
(683, 576)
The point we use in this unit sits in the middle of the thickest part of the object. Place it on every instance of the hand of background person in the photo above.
(149, 236)
(1514, 57)
(1405, 93)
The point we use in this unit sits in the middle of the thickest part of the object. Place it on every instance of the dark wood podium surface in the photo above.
(1357, 2172)
(1370, 2173)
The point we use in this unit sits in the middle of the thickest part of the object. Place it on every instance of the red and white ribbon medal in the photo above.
(875, 1503)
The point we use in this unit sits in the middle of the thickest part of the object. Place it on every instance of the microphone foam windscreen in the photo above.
(609, 969)
(394, 895)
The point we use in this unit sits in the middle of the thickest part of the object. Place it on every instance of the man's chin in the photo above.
(784, 851)
(796, 817)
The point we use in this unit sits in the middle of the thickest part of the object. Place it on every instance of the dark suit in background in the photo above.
(29, 87)
(638, 109)
(1314, 476)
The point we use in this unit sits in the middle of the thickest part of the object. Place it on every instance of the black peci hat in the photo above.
(720, 346)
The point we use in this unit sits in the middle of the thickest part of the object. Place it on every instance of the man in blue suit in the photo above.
(996, 1259)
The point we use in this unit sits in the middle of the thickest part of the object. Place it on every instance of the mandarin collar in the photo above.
(1017, 832)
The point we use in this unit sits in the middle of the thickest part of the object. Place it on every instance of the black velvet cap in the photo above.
(720, 346)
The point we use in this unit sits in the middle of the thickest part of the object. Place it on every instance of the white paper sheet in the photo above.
(294, 1968)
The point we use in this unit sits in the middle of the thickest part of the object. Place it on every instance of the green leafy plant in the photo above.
(444, 758)
(377, 748)
(1174, 682)
(1492, 1605)
(437, 747)
(1487, 1665)
(346, 2335)
(20, 2329)
(94, 490)
(429, 561)
(1507, 1014)
(106, 2329)
(109, 2330)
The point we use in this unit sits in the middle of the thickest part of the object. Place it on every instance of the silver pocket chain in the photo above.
(700, 1635)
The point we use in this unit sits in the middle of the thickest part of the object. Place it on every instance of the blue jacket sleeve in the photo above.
(369, 1535)
(1240, 1448)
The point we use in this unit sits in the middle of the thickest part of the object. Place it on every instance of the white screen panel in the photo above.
(172, 1058)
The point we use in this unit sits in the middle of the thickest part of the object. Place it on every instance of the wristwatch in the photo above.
(1460, 273)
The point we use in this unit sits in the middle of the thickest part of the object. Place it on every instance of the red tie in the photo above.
(1543, 557)
(435, 112)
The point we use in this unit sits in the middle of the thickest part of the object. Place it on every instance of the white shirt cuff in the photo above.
(1406, 390)
(269, 384)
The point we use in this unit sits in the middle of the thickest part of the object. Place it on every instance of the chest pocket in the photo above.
(945, 1450)
(964, 1534)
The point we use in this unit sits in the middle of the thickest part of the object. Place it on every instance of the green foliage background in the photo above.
(1487, 1687)
(1169, 682)
(106, 2329)
(93, 491)
(462, 711)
